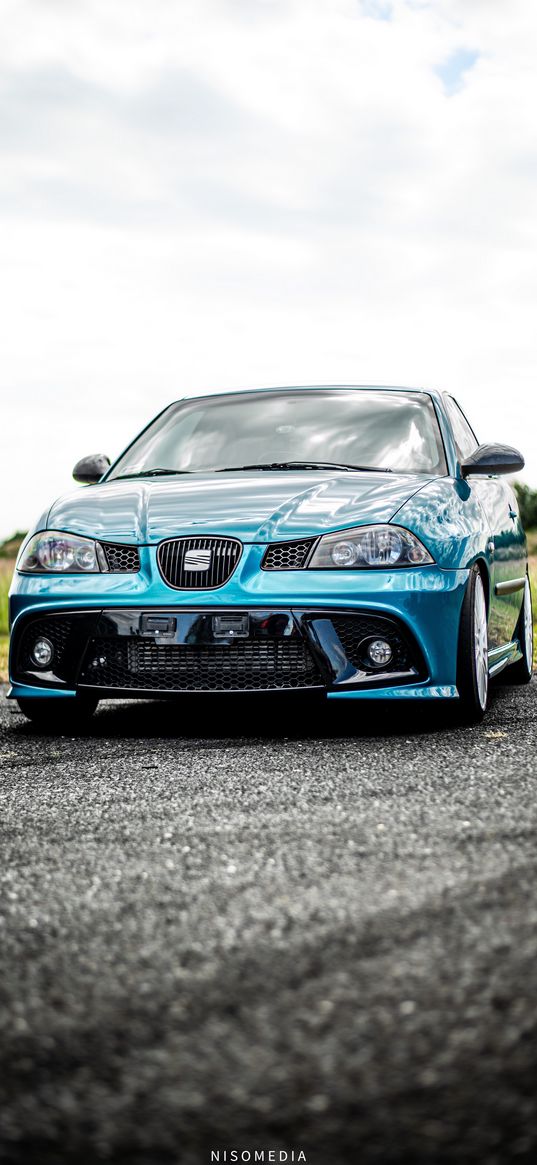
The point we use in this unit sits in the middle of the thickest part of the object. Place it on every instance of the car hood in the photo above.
(255, 506)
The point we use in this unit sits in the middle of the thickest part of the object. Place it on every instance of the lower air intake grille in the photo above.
(263, 665)
(287, 555)
(355, 630)
(194, 564)
(121, 559)
(56, 630)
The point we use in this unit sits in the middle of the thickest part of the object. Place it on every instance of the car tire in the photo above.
(473, 681)
(57, 714)
(521, 671)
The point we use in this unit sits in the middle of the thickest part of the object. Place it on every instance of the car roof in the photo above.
(433, 392)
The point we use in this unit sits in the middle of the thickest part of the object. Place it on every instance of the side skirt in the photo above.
(501, 657)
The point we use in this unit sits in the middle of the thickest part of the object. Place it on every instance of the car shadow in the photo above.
(262, 717)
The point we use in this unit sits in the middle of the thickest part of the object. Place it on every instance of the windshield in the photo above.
(359, 428)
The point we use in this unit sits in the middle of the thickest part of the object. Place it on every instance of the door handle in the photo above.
(512, 513)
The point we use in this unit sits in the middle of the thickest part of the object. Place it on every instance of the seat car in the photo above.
(350, 540)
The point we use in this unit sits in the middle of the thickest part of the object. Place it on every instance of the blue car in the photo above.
(357, 542)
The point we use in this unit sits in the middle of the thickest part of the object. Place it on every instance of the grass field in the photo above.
(6, 570)
(532, 548)
(7, 565)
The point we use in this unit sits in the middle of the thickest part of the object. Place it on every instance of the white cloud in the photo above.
(225, 193)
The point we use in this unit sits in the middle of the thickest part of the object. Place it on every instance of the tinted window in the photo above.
(391, 430)
(464, 437)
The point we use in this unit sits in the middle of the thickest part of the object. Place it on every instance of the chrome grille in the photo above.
(180, 559)
(287, 555)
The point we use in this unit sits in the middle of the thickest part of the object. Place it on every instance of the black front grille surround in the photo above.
(117, 650)
(288, 555)
(121, 559)
(222, 555)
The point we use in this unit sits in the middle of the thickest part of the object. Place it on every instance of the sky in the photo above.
(198, 195)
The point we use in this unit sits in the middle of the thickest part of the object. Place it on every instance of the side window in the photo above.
(465, 438)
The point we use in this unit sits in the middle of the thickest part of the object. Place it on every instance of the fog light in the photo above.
(379, 652)
(42, 652)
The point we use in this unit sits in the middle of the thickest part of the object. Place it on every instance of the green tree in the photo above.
(527, 500)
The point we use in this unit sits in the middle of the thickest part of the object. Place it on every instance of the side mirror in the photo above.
(90, 469)
(489, 459)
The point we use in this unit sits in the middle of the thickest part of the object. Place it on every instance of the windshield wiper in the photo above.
(148, 473)
(305, 465)
(260, 465)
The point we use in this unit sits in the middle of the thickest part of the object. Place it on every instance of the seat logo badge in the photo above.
(197, 559)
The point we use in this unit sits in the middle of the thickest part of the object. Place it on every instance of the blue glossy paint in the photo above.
(448, 514)
(254, 506)
(447, 517)
(414, 596)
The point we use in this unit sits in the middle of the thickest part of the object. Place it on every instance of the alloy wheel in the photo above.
(481, 657)
(528, 625)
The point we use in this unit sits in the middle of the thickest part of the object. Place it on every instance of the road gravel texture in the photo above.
(275, 926)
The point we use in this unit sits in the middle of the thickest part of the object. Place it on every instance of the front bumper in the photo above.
(305, 630)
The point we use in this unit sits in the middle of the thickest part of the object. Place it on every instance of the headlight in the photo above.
(369, 546)
(52, 552)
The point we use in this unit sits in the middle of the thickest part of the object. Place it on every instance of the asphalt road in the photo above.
(235, 925)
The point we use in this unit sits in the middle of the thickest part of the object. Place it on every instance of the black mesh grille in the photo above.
(287, 555)
(57, 631)
(264, 665)
(178, 559)
(354, 631)
(121, 558)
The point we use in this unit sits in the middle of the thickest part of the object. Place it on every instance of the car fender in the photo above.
(447, 517)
